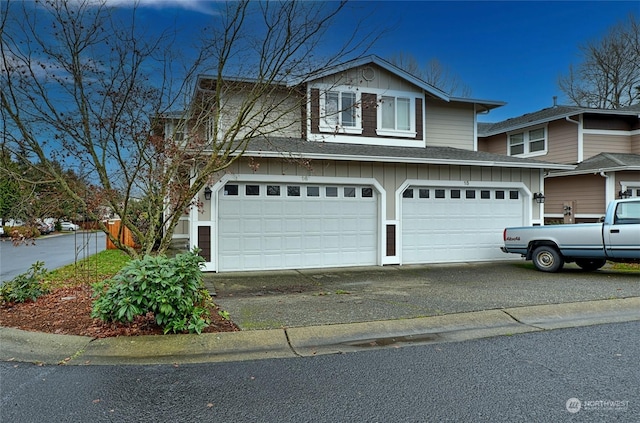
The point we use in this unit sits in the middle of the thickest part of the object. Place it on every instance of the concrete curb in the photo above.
(23, 346)
(35, 347)
(558, 316)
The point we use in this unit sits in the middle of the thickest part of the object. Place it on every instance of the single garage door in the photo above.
(445, 224)
(289, 226)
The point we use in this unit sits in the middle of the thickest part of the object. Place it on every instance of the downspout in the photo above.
(580, 137)
(609, 187)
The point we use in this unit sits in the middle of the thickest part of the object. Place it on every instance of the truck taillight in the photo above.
(504, 234)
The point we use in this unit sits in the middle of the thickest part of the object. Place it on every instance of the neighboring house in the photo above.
(603, 144)
(393, 176)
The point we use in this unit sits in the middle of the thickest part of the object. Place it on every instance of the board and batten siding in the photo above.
(381, 80)
(389, 175)
(449, 125)
(587, 190)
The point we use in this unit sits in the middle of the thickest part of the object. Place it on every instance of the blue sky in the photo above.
(511, 51)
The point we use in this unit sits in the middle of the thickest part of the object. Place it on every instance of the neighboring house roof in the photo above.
(298, 148)
(632, 108)
(546, 115)
(529, 119)
(604, 162)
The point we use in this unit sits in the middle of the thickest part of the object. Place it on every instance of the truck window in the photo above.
(627, 213)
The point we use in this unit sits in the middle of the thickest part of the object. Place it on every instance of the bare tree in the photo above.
(84, 85)
(609, 75)
(432, 72)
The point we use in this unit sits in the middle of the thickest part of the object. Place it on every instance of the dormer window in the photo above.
(528, 143)
(339, 112)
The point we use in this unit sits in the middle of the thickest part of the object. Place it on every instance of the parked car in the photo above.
(1, 230)
(45, 228)
(589, 245)
(68, 226)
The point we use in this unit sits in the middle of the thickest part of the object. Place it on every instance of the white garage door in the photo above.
(445, 224)
(289, 226)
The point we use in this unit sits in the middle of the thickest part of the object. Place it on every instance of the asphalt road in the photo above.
(521, 378)
(54, 250)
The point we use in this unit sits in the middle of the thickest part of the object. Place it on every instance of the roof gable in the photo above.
(375, 60)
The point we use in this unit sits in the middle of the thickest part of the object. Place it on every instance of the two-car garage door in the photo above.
(287, 226)
(455, 224)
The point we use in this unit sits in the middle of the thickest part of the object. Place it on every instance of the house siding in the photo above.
(595, 144)
(587, 190)
(450, 125)
(382, 80)
(277, 114)
(635, 143)
(390, 175)
(609, 122)
(627, 177)
(562, 142)
(496, 144)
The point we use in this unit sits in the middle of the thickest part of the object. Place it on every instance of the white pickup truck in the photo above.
(589, 245)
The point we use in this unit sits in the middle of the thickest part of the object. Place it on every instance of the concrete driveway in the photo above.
(269, 300)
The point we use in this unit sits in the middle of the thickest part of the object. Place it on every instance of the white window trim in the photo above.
(525, 136)
(411, 133)
(324, 127)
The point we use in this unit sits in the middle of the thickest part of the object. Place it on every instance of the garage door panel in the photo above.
(275, 232)
(456, 229)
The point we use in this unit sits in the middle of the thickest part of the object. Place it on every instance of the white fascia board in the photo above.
(478, 101)
(410, 160)
(530, 124)
(594, 171)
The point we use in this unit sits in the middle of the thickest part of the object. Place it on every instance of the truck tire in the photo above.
(591, 265)
(547, 259)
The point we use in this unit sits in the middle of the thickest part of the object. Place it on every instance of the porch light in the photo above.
(539, 197)
(207, 193)
(625, 194)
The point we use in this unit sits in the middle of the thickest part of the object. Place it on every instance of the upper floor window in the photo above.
(532, 142)
(396, 116)
(340, 112)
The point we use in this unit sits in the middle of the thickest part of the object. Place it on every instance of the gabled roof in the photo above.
(547, 115)
(604, 162)
(373, 59)
(393, 69)
(299, 148)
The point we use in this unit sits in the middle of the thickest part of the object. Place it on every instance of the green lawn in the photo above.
(89, 270)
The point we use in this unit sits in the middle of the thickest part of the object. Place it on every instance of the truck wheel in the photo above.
(547, 259)
(591, 265)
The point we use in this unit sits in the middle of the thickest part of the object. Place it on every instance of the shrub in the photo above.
(26, 286)
(22, 232)
(171, 289)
